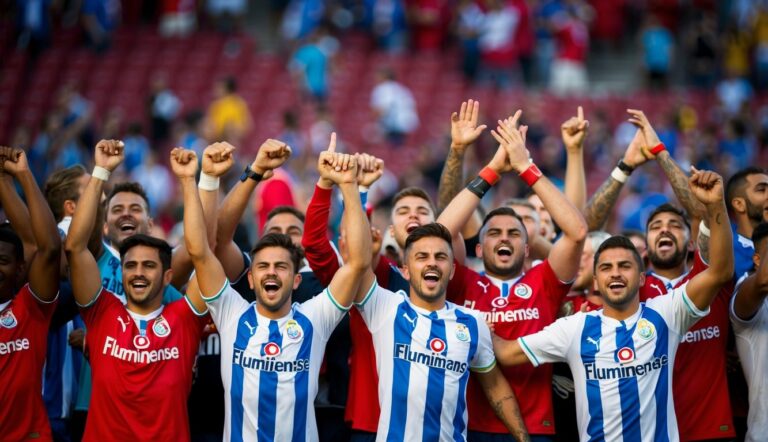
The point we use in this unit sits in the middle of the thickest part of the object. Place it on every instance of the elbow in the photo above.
(72, 246)
(580, 230)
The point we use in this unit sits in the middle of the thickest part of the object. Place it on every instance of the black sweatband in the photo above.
(479, 187)
(624, 167)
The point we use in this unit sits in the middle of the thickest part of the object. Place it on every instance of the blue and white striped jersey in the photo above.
(423, 359)
(269, 367)
(622, 370)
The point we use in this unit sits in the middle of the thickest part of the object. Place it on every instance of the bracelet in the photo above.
(626, 168)
(479, 186)
(362, 188)
(101, 173)
(531, 175)
(208, 182)
(703, 229)
(489, 175)
(619, 175)
(658, 148)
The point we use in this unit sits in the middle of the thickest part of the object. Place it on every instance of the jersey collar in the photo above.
(669, 283)
(148, 317)
(5, 304)
(629, 322)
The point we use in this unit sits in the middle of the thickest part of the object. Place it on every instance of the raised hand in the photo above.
(706, 186)
(464, 128)
(183, 162)
(337, 168)
(635, 154)
(109, 154)
(272, 154)
(512, 140)
(218, 158)
(13, 160)
(651, 139)
(369, 169)
(574, 130)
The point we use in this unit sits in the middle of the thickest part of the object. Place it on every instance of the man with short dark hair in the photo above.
(142, 353)
(620, 355)
(746, 195)
(28, 293)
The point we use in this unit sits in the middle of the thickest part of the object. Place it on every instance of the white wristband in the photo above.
(208, 182)
(362, 189)
(703, 229)
(619, 175)
(101, 173)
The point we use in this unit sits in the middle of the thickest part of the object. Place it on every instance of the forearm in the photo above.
(210, 201)
(40, 217)
(679, 182)
(232, 209)
(451, 179)
(564, 214)
(18, 215)
(456, 215)
(575, 180)
(358, 232)
(317, 250)
(194, 221)
(601, 204)
(720, 241)
(504, 403)
(85, 215)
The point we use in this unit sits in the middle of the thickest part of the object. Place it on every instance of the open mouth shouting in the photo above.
(665, 243)
(617, 286)
(411, 226)
(127, 226)
(271, 286)
(139, 285)
(431, 278)
(504, 252)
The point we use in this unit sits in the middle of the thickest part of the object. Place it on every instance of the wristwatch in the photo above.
(249, 173)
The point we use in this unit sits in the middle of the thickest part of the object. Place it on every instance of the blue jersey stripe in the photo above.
(246, 325)
(268, 390)
(435, 385)
(628, 390)
(301, 383)
(403, 329)
(590, 339)
(662, 386)
(459, 425)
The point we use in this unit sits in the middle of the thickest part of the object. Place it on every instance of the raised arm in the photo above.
(84, 271)
(707, 187)
(754, 289)
(601, 204)
(272, 154)
(217, 160)
(503, 401)
(675, 175)
(573, 132)
(208, 271)
(509, 352)
(43, 274)
(566, 252)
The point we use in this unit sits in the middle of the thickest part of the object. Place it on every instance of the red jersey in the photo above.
(24, 322)
(702, 403)
(142, 369)
(516, 308)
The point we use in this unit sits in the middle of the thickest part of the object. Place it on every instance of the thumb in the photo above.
(480, 129)
(580, 113)
(694, 169)
(332, 143)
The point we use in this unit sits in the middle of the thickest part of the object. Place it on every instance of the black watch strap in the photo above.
(249, 173)
(624, 167)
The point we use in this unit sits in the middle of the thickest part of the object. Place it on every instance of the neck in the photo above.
(621, 313)
(273, 314)
(673, 272)
(144, 309)
(745, 226)
(431, 306)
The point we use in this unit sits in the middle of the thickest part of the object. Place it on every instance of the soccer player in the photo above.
(749, 316)
(516, 302)
(426, 346)
(25, 308)
(746, 195)
(620, 355)
(271, 349)
(142, 353)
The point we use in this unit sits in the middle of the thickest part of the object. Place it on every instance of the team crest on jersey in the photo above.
(271, 349)
(161, 328)
(140, 342)
(499, 302)
(523, 291)
(625, 355)
(462, 333)
(7, 319)
(293, 330)
(645, 329)
(437, 345)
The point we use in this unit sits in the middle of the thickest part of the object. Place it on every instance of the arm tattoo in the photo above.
(719, 219)
(451, 180)
(679, 182)
(514, 421)
(602, 202)
(702, 243)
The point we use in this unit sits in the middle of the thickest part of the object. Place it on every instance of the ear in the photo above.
(167, 277)
(406, 272)
(756, 260)
(453, 270)
(739, 204)
(594, 283)
(642, 279)
(250, 280)
(527, 250)
(391, 229)
(296, 281)
(479, 250)
(105, 229)
(150, 223)
(69, 207)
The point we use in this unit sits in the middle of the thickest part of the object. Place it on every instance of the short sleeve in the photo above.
(552, 343)
(677, 309)
(741, 324)
(324, 312)
(225, 306)
(42, 310)
(484, 359)
(378, 306)
(99, 306)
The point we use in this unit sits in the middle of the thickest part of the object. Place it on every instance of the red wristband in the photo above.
(531, 175)
(659, 147)
(489, 175)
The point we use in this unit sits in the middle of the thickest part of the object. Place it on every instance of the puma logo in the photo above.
(595, 343)
(123, 324)
(409, 319)
(251, 328)
(484, 286)
(659, 289)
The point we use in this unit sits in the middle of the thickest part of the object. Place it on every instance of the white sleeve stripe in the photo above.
(738, 319)
(485, 369)
(192, 307)
(92, 301)
(34, 295)
(335, 302)
(528, 352)
(691, 306)
(216, 296)
(368, 295)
